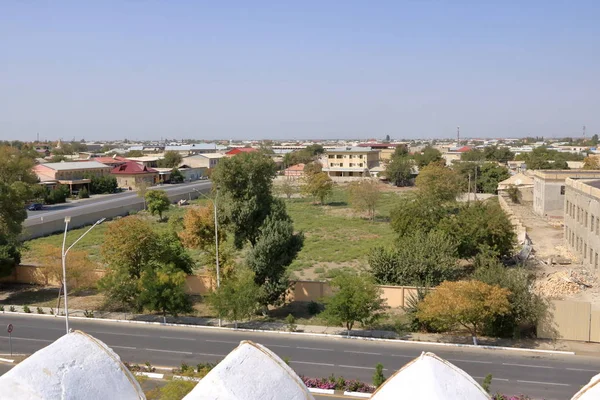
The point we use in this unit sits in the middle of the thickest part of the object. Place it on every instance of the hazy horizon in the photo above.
(143, 70)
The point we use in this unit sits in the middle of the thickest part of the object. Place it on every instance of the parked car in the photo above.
(35, 207)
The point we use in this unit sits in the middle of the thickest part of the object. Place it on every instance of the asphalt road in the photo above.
(552, 377)
(59, 211)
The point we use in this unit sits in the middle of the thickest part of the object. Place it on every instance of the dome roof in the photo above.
(250, 372)
(76, 366)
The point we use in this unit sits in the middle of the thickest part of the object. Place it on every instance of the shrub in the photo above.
(487, 381)
(2, 308)
(514, 194)
(149, 367)
(40, 310)
(378, 377)
(340, 383)
(26, 309)
(83, 194)
(291, 323)
(51, 311)
(88, 314)
(313, 308)
(12, 309)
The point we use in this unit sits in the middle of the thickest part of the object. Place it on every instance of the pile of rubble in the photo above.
(563, 283)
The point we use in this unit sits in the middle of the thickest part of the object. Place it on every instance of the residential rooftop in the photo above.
(66, 166)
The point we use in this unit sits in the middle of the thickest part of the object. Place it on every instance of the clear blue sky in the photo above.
(298, 69)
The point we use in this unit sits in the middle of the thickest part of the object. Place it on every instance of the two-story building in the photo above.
(132, 175)
(74, 174)
(549, 189)
(208, 160)
(350, 161)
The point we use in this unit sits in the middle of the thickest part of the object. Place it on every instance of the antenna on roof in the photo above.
(458, 136)
(584, 132)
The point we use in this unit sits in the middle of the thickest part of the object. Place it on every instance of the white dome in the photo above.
(76, 366)
(250, 372)
(430, 377)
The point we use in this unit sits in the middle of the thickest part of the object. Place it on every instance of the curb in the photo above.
(321, 391)
(6, 360)
(358, 394)
(327, 335)
(151, 375)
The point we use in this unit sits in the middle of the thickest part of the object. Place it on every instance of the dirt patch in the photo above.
(563, 283)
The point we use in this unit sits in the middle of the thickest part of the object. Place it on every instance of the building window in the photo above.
(584, 251)
(596, 260)
(586, 218)
(562, 190)
(331, 156)
(591, 254)
(577, 214)
(592, 223)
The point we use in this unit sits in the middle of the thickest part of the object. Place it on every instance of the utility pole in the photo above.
(469, 190)
(458, 136)
(475, 184)
(584, 133)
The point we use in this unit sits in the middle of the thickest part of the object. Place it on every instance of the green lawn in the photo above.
(335, 234)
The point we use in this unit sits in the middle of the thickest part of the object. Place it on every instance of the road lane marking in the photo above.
(222, 341)
(120, 334)
(469, 361)
(362, 352)
(402, 355)
(210, 355)
(312, 363)
(582, 370)
(123, 347)
(175, 338)
(544, 383)
(31, 340)
(313, 348)
(357, 367)
(528, 366)
(495, 379)
(277, 345)
(170, 351)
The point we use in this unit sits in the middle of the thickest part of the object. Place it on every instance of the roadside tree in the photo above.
(469, 304)
(80, 271)
(176, 176)
(157, 202)
(163, 289)
(237, 298)
(355, 299)
(591, 163)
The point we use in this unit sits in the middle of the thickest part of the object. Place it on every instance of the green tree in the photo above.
(288, 189)
(399, 170)
(134, 153)
(355, 298)
(102, 184)
(157, 202)
(591, 163)
(131, 249)
(490, 174)
(527, 308)
(245, 194)
(378, 377)
(415, 211)
(275, 249)
(237, 298)
(162, 288)
(171, 159)
(57, 195)
(480, 224)
(312, 168)
(438, 182)
(176, 176)
(427, 156)
(469, 304)
(318, 185)
(416, 259)
(364, 196)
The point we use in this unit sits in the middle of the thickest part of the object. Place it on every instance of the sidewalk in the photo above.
(580, 348)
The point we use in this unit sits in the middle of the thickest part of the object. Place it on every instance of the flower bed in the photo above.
(340, 383)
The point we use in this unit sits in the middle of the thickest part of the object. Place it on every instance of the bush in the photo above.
(40, 310)
(12, 309)
(514, 194)
(291, 323)
(378, 377)
(2, 308)
(57, 195)
(88, 314)
(314, 308)
(487, 381)
(340, 383)
(26, 309)
(83, 194)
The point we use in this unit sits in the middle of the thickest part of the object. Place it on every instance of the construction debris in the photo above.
(563, 283)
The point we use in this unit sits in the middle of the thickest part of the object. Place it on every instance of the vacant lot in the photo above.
(337, 236)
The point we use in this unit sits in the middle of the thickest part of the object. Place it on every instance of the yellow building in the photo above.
(350, 161)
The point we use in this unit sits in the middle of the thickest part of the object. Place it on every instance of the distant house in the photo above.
(74, 174)
(131, 175)
(295, 171)
(208, 160)
(350, 161)
(239, 150)
(196, 148)
(110, 161)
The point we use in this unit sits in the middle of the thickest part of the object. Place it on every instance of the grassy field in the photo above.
(337, 237)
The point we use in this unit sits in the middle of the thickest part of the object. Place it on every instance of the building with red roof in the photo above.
(131, 175)
(239, 150)
(295, 171)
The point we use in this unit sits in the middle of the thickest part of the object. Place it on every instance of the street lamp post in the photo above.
(64, 262)
(216, 236)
